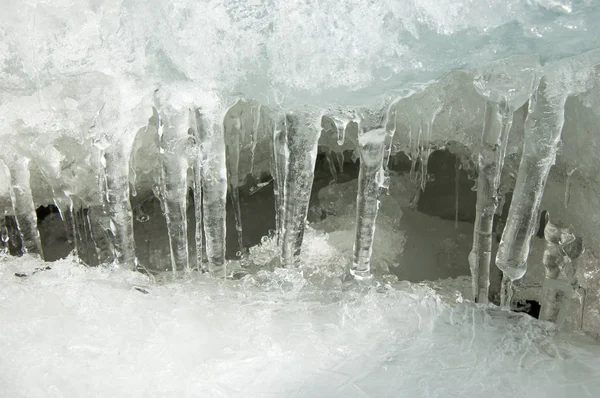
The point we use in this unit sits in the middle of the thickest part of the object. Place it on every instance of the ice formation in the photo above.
(138, 120)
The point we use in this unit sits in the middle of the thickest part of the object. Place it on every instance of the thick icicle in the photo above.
(542, 134)
(22, 202)
(562, 248)
(372, 151)
(295, 152)
(506, 87)
(118, 207)
(173, 126)
(211, 187)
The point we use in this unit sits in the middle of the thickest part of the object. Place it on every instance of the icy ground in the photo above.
(71, 331)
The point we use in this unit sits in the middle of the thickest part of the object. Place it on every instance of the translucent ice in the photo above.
(542, 135)
(506, 86)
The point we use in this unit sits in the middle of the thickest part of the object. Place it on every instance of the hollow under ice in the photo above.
(185, 145)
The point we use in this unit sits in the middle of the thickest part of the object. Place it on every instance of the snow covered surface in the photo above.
(72, 331)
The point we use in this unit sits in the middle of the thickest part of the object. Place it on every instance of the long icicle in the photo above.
(372, 151)
(234, 132)
(116, 168)
(173, 133)
(22, 203)
(496, 128)
(302, 137)
(211, 187)
(506, 85)
(542, 134)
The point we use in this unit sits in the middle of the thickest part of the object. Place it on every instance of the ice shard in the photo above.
(210, 190)
(173, 131)
(506, 86)
(21, 197)
(542, 135)
(295, 146)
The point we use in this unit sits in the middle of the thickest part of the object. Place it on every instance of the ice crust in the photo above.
(74, 331)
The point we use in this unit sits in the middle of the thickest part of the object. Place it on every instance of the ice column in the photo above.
(173, 131)
(118, 207)
(506, 86)
(241, 120)
(295, 152)
(370, 179)
(562, 248)
(210, 171)
(22, 201)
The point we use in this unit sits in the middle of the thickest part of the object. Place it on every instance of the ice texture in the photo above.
(76, 331)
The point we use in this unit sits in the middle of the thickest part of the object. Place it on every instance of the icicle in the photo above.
(118, 205)
(338, 123)
(506, 87)
(562, 248)
(496, 127)
(372, 151)
(94, 226)
(340, 161)
(296, 158)
(542, 134)
(415, 150)
(211, 187)
(173, 126)
(3, 235)
(456, 191)
(22, 202)
(87, 251)
(257, 118)
(279, 161)
(568, 184)
(234, 135)
(331, 164)
(64, 204)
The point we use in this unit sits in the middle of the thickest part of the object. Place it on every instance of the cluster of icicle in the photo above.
(202, 132)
